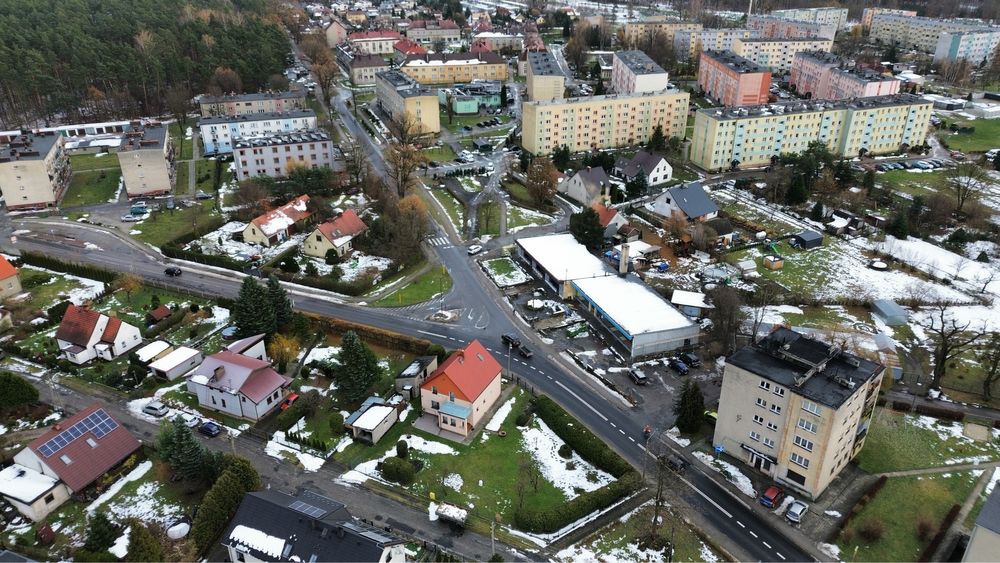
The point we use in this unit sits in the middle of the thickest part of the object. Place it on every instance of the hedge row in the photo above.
(932, 547)
(580, 438)
(43, 261)
(353, 288)
(375, 335)
(865, 499)
(172, 250)
(558, 517)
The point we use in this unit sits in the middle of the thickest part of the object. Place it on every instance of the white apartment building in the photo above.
(913, 32)
(688, 43)
(778, 54)
(276, 155)
(976, 46)
(836, 17)
(634, 72)
(773, 27)
(870, 13)
(640, 34)
(219, 132)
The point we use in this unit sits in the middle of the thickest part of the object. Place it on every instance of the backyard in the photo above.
(488, 218)
(913, 182)
(93, 187)
(183, 146)
(521, 217)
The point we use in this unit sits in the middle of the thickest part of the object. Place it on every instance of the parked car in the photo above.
(188, 420)
(772, 497)
(475, 249)
(129, 218)
(690, 359)
(525, 352)
(511, 340)
(711, 417)
(210, 429)
(288, 401)
(202, 195)
(796, 511)
(678, 366)
(467, 128)
(675, 463)
(170, 203)
(172, 271)
(638, 377)
(155, 408)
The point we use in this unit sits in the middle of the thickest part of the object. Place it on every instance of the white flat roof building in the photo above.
(179, 361)
(559, 259)
(152, 350)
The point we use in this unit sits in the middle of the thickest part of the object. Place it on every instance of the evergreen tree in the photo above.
(586, 228)
(657, 141)
(503, 95)
(599, 90)
(797, 193)
(996, 161)
(166, 441)
(280, 303)
(101, 533)
(252, 313)
(142, 545)
(898, 226)
(358, 368)
(636, 186)
(817, 212)
(560, 157)
(15, 391)
(188, 455)
(689, 407)
(595, 70)
(222, 500)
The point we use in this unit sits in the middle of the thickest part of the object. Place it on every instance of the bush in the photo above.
(565, 451)
(558, 517)
(194, 307)
(87, 556)
(872, 530)
(581, 439)
(222, 500)
(15, 391)
(332, 258)
(58, 310)
(402, 449)
(398, 470)
(523, 418)
(924, 528)
(336, 423)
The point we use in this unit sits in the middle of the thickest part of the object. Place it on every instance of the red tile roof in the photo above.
(480, 46)
(348, 224)
(604, 214)
(160, 313)
(78, 325)
(111, 330)
(6, 269)
(467, 372)
(408, 47)
(385, 34)
(280, 218)
(87, 462)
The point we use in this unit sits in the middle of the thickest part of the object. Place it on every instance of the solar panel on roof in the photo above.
(307, 509)
(97, 422)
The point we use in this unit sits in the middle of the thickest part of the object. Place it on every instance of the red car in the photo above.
(288, 401)
(772, 497)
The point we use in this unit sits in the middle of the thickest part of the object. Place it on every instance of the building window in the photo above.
(796, 477)
(803, 443)
(451, 396)
(766, 385)
(761, 403)
(66, 459)
(812, 407)
(435, 405)
(807, 426)
(434, 390)
(776, 409)
(49, 498)
(769, 442)
(799, 460)
(755, 436)
(758, 419)
(223, 403)
(772, 426)
(779, 391)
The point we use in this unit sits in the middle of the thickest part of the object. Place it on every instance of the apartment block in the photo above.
(545, 79)
(374, 42)
(796, 409)
(919, 33)
(778, 54)
(687, 44)
(429, 31)
(772, 27)
(498, 42)
(600, 122)
(825, 76)
(218, 133)
(277, 155)
(402, 97)
(34, 169)
(976, 46)
(448, 68)
(640, 34)
(870, 13)
(731, 80)
(405, 48)
(245, 104)
(836, 17)
(146, 157)
(750, 136)
(364, 68)
(633, 72)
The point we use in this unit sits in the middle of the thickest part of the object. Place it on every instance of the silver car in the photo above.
(155, 408)
(796, 511)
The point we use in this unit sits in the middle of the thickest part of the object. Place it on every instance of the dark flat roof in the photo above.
(735, 62)
(543, 64)
(639, 62)
(29, 146)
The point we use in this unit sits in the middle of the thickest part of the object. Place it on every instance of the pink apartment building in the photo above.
(732, 80)
(825, 76)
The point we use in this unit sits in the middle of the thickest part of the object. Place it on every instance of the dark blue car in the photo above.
(210, 429)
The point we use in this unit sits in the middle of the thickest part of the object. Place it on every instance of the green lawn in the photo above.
(184, 147)
(453, 207)
(204, 175)
(913, 183)
(93, 187)
(183, 171)
(896, 443)
(488, 218)
(470, 184)
(523, 217)
(85, 162)
(165, 226)
(520, 193)
(44, 287)
(500, 266)
(132, 308)
(901, 504)
(441, 154)
(986, 137)
(459, 121)
(435, 281)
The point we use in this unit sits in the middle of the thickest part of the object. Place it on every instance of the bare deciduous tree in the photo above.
(965, 181)
(727, 316)
(541, 181)
(951, 337)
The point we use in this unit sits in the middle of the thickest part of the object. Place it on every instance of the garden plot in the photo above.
(220, 242)
(571, 475)
(519, 218)
(505, 272)
(42, 293)
(360, 264)
(280, 447)
(936, 261)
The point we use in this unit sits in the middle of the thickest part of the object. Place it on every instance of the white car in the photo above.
(796, 511)
(129, 218)
(475, 249)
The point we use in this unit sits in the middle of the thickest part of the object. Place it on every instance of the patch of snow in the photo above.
(494, 424)
(364, 264)
(830, 550)
(454, 481)
(322, 354)
(992, 482)
(256, 539)
(432, 511)
(120, 547)
(113, 490)
(178, 531)
(833, 513)
(278, 444)
(729, 471)
(146, 505)
(516, 276)
(78, 296)
(345, 440)
(674, 434)
(544, 444)
(368, 469)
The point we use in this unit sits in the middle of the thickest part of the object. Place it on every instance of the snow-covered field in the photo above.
(530, 218)
(544, 444)
(939, 262)
(515, 276)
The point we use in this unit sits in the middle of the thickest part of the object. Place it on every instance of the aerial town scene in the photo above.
(500, 280)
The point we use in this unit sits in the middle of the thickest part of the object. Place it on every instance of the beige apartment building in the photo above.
(429, 31)
(601, 122)
(687, 44)
(779, 28)
(750, 136)
(365, 67)
(336, 32)
(401, 97)
(913, 32)
(448, 68)
(545, 80)
(836, 17)
(146, 157)
(374, 42)
(639, 35)
(633, 72)
(246, 104)
(34, 169)
(498, 42)
(869, 14)
(796, 409)
(778, 54)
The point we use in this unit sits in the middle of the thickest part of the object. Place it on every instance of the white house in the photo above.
(85, 334)
(654, 167)
(689, 199)
(610, 219)
(586, 186)
(372, 420)
(242, 383)
(176, 363)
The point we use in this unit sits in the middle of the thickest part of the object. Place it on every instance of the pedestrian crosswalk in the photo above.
(437, 241)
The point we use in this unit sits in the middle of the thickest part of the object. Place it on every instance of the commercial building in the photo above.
(276, 155)
(976, 46)
(687, 44)
(796, 409)
(501, 42)
(870, 13)
(218, 133)
(750, 136)
(731, 80)
(260, 102)
(374, 42)
(634, 72)
(545, 79)
(558, 260)
(429, 31)
(401, 97)
(363, 68)
(448, 68)
(147, 161)
(639, 35)
(471, 98)
(772, 27)
(825, 76)
(836, 17)
(601, 122)
(34, 169)
(913, 32)
(778, 54)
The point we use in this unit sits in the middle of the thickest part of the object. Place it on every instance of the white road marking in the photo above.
(752, 534)
(622, 431)
(578, 398)
(741, 524)
(631, 438)
(780, 555)
(706, 497)
(613, 425)
(767, 545)
(433, 334)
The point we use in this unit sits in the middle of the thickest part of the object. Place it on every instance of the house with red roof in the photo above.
(404, 48)
(239, 381)
(275, 226)
(10, 281)
(85, 334)
(462, 390)
(609, 218)
(65, 460)
(335, 234)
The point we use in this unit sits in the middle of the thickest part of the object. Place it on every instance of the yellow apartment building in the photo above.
(778, 54)
(449, 68)
(545, 81)
(400, 97)
(638, 35)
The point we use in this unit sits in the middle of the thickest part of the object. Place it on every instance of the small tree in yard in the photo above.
(332, 258)
(129, 283)
(951, 337)
(101, 533)
(398, 470)
(689, 407)
(586, 228)
(636, 186)
(142, 545)
(357, 368)
(15, 391)
(541, 182)
(282, 350)
(280, 303)
(402, 449)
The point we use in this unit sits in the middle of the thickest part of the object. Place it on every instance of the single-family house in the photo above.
(238, 385)
(807, 239)
(335, 234)
(278, 527)
(275, 226)
(609, 218)
(251, 347)
(65, 460)
(654, 167)
(462, 390)
(10, 281)
(587, 186)
(372, 420)
(690, 199)
(158, 314)
(175, 364)
(409, 380)
(691, 303)
(85, 334)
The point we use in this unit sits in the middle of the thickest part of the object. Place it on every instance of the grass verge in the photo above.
(435, 281)
(165, 226)
(91, 188)
(86, 162)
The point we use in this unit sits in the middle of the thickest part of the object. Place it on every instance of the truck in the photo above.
(452, 513)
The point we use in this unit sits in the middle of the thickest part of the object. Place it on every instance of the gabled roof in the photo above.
(244, 344)
(160, 313)
(368, 61)
(6, 269)
(643, 160)
(433, 24)
(234, 373)
(593, 177)
(78, 325)
(280, 218)
(467, 372)
(604, 213)
(373, 35)
(408, 47)
(347, 224)
(111, 330)
(112, 444)
(692, 200)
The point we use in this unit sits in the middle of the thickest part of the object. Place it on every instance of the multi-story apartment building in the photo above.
(772, 27)
(218, 132)
(687, 44)
(778, 54)
(825, 76)
(276, 155)
(600, 122)
(499, 42)
(731, 80)
(402, 98)
(373, 42)
(34, 169)
(244, 104)
(796, 409)
(545, 79)
(634, 72)
(429, 31)
(836, 17)
(146, 157)
(977, 46)
(750, 136)
(365, 67)
(639, 35)
(911, 32)
(448, 68)
(870, 13)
